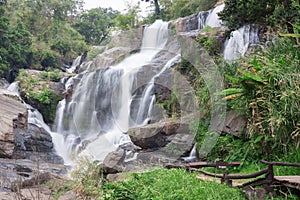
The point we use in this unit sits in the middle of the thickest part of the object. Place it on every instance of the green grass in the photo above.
(168, 184)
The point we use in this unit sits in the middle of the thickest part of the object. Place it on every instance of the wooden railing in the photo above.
(227, 178)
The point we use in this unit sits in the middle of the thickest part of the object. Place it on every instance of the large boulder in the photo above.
(44, 95)
(35, 144)
(157, 135)
(113, 162)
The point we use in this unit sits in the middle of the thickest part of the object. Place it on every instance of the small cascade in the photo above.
(240, 41)
(14, 87)
(74, 65)
(202, 16)
(192, 156)
(94, 120)
(210, 17)
(213, 19)
(148, 97)
(36, 118)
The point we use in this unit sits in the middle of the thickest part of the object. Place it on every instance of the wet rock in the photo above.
(186, 24)
(121, 46)
(235, 123)
(110, 57)
(35, 143)
(157, 135)
(113, 162)
(22, 173)
(41, 186)
(3, 83)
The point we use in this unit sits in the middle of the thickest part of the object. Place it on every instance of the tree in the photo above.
(265, 12)
(156, 5)
(95, 24)
(128, 20)
(15, 45)
(4, 27)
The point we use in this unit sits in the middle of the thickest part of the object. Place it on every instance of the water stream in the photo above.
(94, 120)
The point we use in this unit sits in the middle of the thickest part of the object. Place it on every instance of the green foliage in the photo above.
(182, 8)
(169, 10)
(168, 184)
(268, 86)
(53, 75)
(127, 21)
(38, 35)
(35, 91)
(95, 24)
(265, 12)
(210, 41)
(42, 96)
(94, 52)
(15, 44)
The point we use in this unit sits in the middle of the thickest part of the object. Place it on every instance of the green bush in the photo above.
(267, 90)
(54, 75)
(94, 52)
(48, 59)
(43, 96)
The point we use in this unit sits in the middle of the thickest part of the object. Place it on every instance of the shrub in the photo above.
(268, 88)
(53, 75)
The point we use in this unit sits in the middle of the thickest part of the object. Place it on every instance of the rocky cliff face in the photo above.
(13, 116)
(24, 148)
(120, 47)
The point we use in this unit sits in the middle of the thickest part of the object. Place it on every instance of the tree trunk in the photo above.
(157, 9)
(287, 7)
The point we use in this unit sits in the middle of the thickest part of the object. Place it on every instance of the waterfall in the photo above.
(148, 97)
(239, 42)
(94, 120)
(14, 87)
(213, 18)
(210, 17)
(74, 65)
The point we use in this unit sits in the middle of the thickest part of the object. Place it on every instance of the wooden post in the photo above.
(270, 173)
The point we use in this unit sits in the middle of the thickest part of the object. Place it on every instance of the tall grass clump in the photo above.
(266, 88)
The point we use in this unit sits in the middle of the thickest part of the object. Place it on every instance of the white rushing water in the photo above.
(94, 120)
(240, 41)
(74, 65)
(210, 17)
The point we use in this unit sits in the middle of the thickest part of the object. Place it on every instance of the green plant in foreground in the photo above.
(268, 85)
(88, 178)
(168, 184)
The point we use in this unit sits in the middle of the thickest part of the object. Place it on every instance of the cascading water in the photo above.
(74, 65)
(213, 19)
(148, 97)
(240, 41)
(210, 18)
(94, 120)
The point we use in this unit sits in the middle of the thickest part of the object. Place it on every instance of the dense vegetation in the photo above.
(264, 86)
(38, 35)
